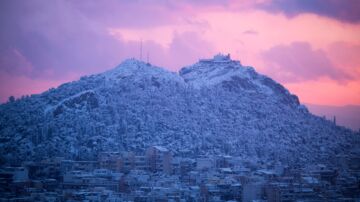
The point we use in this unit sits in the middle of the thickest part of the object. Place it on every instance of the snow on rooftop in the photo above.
(160, 148)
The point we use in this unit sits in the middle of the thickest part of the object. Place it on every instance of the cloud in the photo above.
(13, 62)
(70, 37)
(250, 32)
(129, 14)
(299, 62)
(346, 55)
(185, 48)
(55, 38)
(343, 10)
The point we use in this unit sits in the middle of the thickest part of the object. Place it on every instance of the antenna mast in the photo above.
(147, 57)
(140, 49)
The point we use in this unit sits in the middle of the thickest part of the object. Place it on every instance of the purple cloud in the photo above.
(54, 37)
(299, 62)
(343, 10)
(129, 14)
(58, 38)
(13, 62)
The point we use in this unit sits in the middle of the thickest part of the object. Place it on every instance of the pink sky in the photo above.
(313, 48)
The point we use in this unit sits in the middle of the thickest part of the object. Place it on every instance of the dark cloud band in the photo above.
(343, 10)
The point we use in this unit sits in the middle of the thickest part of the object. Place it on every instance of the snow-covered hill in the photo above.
(216, 106)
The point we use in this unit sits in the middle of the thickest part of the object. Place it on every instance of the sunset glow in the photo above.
(313, 51)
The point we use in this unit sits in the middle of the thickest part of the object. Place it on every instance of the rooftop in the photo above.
(160, 148)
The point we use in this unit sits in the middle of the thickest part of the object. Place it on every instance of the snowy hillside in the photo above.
(216, 106)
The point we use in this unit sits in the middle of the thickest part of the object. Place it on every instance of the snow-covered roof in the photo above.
(310, 180)
(160, 148)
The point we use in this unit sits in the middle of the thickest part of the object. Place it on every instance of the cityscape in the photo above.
(158, 175)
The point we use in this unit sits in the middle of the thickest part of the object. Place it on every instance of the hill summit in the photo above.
(216, 106)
